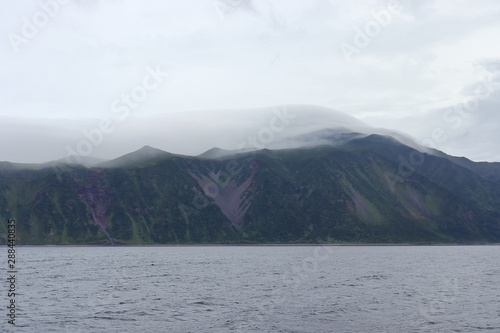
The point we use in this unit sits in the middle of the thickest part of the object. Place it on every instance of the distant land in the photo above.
(337, 186)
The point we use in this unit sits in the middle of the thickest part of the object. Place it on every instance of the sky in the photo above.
(104, 78)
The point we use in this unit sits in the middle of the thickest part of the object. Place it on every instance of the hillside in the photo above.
(368, 189)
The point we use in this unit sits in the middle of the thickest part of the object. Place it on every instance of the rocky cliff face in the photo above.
(232, 193)
(96, 194)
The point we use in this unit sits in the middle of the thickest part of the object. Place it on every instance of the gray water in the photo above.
(257, 289)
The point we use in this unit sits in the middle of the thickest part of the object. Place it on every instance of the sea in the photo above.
(220, 289)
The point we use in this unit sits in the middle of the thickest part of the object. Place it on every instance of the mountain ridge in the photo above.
(358, 191)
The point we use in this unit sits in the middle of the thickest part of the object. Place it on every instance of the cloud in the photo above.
(468, 128)
(188, 133)
(226, 54)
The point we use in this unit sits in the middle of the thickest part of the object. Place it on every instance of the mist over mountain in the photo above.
(193, 133)
(283, 174)
(336, 185)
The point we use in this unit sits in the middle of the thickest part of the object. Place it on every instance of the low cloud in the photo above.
(188, 133)
(233, 55)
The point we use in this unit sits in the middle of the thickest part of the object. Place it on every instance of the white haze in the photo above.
(192, 133)
(429, 58)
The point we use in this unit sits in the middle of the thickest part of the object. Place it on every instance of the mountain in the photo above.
(488, 170)
(145, 154)
(347, 188)
(215, 153)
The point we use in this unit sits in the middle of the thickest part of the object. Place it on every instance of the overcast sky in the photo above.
(427, 68)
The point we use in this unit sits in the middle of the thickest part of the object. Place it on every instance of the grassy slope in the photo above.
(323, 194)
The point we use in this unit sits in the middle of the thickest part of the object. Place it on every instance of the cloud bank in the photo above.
(67, 64)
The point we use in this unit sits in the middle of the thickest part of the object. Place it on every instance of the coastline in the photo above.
(260, 245)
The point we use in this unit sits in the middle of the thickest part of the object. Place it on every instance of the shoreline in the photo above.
(260, 245)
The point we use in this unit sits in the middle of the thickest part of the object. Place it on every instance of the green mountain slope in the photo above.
(370, 189)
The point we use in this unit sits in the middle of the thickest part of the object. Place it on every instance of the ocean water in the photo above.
(256, 289)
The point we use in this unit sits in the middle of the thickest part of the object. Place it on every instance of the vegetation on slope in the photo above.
(371, 189)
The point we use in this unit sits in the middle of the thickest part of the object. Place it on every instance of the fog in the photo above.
(158, 70)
